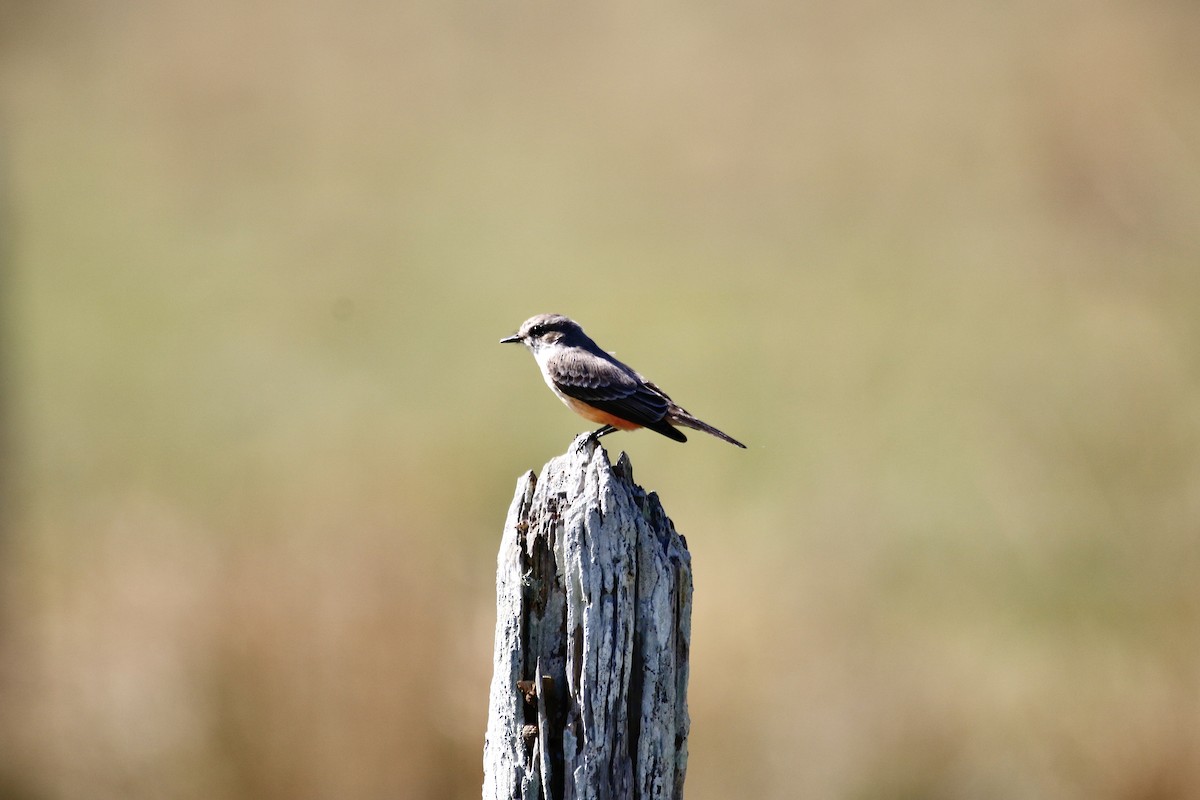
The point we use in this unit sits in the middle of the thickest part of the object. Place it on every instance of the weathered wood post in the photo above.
(593, 626)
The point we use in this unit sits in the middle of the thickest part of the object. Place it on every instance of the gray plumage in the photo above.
(580, 372)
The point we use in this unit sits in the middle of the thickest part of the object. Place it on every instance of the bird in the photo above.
(598, 387)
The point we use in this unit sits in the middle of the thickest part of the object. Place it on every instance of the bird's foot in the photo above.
(592, 437)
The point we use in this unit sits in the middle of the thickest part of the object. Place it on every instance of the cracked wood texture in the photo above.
(593, 626)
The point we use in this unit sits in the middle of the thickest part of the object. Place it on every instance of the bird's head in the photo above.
(547, 329)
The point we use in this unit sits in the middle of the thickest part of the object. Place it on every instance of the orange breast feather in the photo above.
(596, 415)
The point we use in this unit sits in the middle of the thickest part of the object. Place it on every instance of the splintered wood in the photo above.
(593, 625)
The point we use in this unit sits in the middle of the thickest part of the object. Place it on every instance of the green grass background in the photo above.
(937, 263)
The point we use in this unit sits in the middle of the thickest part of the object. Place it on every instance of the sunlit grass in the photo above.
(938, 272)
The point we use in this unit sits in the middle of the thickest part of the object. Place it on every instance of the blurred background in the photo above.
(937, 263)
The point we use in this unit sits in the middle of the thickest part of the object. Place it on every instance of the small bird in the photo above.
(597, 386)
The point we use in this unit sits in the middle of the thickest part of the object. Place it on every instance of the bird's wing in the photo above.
(608, 386)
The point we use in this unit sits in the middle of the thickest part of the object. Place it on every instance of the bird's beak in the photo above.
(516, 337)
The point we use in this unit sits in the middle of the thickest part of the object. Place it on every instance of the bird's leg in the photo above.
(604, 431)
(594, 436)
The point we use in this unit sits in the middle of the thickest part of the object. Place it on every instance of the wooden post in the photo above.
(593, 626)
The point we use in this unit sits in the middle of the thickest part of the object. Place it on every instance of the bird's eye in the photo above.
(537, 330)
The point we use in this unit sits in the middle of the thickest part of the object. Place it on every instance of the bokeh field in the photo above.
(937, 263)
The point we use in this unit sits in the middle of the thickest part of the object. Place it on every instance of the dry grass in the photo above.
(936, 263)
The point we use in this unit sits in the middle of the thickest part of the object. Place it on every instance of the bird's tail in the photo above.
(679, 416)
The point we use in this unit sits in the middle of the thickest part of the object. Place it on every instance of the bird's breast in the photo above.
(594, 414)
